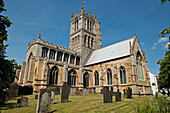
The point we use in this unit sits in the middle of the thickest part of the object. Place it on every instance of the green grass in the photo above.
(79, 104)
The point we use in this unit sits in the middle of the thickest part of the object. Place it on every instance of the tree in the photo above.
(7, 67)
(164, 74)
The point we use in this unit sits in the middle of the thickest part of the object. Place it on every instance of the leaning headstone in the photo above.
(36, 96)
(156, 95)
(118, 96)
(71, 91)
(129, 92)
(22, 102)
(107, 95)
(44, 99)
(12, 91)
(57, 90)
(52, 97)
(65, 93)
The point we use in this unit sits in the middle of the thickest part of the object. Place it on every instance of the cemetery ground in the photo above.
(89, 104)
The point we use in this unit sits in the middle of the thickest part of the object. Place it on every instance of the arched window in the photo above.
(92, 43)
(86, 80)
(72, 59)
(53, 79)
(88, 24)
(109, 77)
(89, 42)
(96, 75)
(72, 78)
(59, 56)
(85, 40)
(123, 75)
(52, 54)
(66, 57)
(139, 66)
(44, 52)
(77, 60)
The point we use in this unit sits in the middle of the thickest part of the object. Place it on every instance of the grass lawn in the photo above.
(79, 104)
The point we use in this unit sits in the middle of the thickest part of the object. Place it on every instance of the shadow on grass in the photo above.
(53, 111)
(8, 106)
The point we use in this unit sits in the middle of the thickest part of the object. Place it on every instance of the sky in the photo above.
(120, 20)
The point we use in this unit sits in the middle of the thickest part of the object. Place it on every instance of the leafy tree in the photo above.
(7, 67)
(164, 74)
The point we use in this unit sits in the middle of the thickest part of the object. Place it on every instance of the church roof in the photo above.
(120, 49)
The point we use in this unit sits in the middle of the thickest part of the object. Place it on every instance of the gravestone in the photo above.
(81, 92)
(52, 97)
(22, 102)
(118, 96)
(90, 90)
(156, 95)
(85, 91)
(57, 90)
(107, 95)
(94, 91)
(44, 99)
(12, 91)
(36, 96)
(101, 92)
(71, 91)
(129, 92)
(77, 92)
(65, 93)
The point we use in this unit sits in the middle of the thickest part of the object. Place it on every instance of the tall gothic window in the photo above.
(44, 52)
(53, 79)
(123, 75)
(72, 78)
(88, 24)
(89, 42)
(77, 60)
(66, 57)
(52, 54)
(86, 80)
(96, 75)
(59, 56)
(85, 40)
(72, 59)
(109, 77)
(139, 66)
(92, 43)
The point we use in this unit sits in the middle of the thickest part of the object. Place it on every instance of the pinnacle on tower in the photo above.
(82, 8)
(76, 11)
(89, 11)
(39, 36)
(95, 15)
(71, 16)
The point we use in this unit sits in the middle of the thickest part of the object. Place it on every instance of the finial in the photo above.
(76, 11)
(135, 34)
(72, 14)
(95, 15)
(29, 44)
(82, 8)
(39, 36)
(89, 11)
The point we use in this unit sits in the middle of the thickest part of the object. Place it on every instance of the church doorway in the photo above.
(86, 80)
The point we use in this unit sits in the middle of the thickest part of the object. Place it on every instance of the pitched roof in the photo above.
(114, 51)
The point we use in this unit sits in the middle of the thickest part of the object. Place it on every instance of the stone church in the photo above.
(85, 64)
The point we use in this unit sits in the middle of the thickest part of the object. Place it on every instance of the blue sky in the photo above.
(120, 20)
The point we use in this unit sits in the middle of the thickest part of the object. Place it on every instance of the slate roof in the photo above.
(120, 49)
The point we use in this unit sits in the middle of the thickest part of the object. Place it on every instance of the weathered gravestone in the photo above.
(90, 91)
(85, 91)
(71, 91)
(44, 99)
(65, 93)
(77, 92)
(52, 97)
(12, 91)
(22, 102)
(81, 92)
(129, 92)
(57, 90)
(118, 96)
(107, 95)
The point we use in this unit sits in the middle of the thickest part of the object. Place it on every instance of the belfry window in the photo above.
(109, 77)
(123, 75)
(44, 52)
(72, 59)
(59, 56)
(139, 66)
(72, 78)
(96, 74)
(53, 79)
(66, 57)
(52, 54)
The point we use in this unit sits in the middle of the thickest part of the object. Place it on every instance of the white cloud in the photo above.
(142, 43)
(161, 41)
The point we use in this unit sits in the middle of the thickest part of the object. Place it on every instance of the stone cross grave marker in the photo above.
(65, 93)
(44, 99)
(118, 96)
(107, 95)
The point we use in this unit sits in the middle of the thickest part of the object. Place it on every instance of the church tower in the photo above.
(85, 33)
